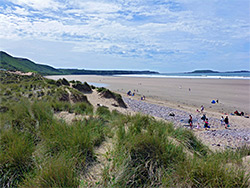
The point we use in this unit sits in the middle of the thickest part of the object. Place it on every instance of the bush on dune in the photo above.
(15, 157)
(55, 172)
(149, 159)
(188, 139)
(199, 172)
(83, 108)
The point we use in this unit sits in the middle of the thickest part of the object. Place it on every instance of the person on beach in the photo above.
(206, 124)
(222, 120)
(202, 108)
(204, 117)
(190, 121)
(226, 122)
(198, 126)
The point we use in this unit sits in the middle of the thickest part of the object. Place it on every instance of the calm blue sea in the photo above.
(195, 75)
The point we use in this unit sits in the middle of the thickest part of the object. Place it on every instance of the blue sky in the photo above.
(160, 35)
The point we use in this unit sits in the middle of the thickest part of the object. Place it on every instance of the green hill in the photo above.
(25, 65)
(11, 63)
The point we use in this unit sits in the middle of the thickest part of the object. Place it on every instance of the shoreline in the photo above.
(186, 76)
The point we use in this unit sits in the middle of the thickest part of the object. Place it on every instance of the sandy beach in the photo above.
(183, 97)
(232, 94)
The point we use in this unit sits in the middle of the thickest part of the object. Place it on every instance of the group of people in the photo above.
(129, 93)
(224, 122)
(239, 113)
(190, 121)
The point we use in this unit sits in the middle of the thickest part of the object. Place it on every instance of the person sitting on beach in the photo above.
(237, 113)
(198, 126)
(190, 121)
(222, 120)
(171, 114)
(206, 124)
(129, 93)
(226, 122)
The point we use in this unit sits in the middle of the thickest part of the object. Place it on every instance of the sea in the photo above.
(241, 75)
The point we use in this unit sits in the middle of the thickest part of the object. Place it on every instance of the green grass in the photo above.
(83, 108)
(209, 173)
(15, 157)
(55, 172)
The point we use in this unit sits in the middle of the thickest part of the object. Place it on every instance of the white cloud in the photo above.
(38, 4)
(21, 11)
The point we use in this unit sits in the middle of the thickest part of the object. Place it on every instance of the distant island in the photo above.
(10, 63)
(211, 71)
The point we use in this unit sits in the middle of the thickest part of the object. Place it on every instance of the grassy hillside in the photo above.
(37, 149)
(24, 65)
(10, 63)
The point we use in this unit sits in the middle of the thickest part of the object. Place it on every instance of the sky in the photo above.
(159, 35)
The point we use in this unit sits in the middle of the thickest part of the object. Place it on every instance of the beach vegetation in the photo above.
(39, 150)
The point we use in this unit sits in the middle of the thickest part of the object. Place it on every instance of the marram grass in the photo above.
(38, 150)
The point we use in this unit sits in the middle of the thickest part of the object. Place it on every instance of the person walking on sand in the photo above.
(226, 122)
(202, 108)
(190, 121)
(222, 120)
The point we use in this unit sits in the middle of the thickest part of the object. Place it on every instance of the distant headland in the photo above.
(10, 63)
(212, 71)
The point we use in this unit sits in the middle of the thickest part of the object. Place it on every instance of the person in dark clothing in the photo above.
(237, 113)
(226, 122)
(203, 117)
(206, 124)
(190, 121)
